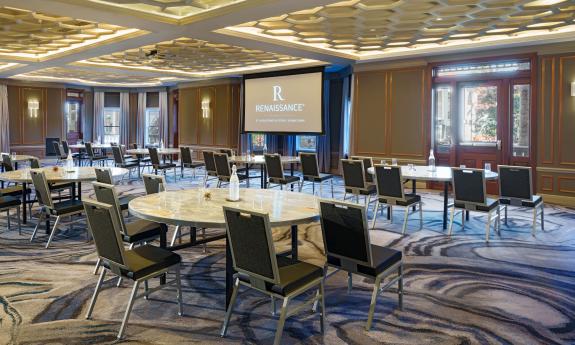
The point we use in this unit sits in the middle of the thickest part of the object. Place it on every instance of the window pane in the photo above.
(111, 125)
(72, 111)
(443, 105)
(258, 141)
(152, 126)
(521, 115)
(478, 112)
(306, 143)
(485, 67)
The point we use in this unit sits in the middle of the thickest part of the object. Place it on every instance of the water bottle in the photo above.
(431, 161)
(162, 143)
(69, 161)
(234, 188)
(265, 149)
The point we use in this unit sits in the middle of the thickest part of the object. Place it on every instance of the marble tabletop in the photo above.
(21, 158)
(75, 174)
(259, 159)
(166, 151)
(421, 173)
(95, 146)
(189, 208)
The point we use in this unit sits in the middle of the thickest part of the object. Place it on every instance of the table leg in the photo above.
(80, 191)
(73, 191)
(24, 204)
(294, 242)
(262, 181)
(388, 213)
(413, 189)
(466, 215)
(291, 173)
(229, 273)
(16, 165)
(193, 235)
(163, 244)
(445, 201)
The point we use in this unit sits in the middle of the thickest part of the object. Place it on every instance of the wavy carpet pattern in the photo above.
(517, 289)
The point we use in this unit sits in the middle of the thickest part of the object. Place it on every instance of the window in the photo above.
(152, 126)
(478, 114)
(521, 112)
(306, 143)
(111, 125)
(258, 141)
(72, 117)
(482, 68)
(442, 98)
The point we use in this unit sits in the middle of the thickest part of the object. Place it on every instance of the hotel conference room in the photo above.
(287, 172)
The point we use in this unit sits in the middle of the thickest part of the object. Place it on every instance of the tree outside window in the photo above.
(152, 126)
(111, 125)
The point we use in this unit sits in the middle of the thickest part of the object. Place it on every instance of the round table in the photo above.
(189, 208)
(441, 174)
(94, 146)
(62, 174)
(19, 158)
(248, 161)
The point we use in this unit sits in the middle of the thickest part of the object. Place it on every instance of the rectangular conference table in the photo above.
(249, 161)
(441, 174)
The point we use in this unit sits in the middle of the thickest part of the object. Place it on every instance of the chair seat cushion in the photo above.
(98, 157)
(147, 260)
(293, 275)
(287, 179)
(320, 178)
(383, 258)
(489, 205)
(193, 165)
(125, 200)
(140, 230)
(14, 190)
(67, 206)
(410, 199)
(165, 166)
(370, 189)
(129, 164)
(9, 201)
(535, 200)
(61, 186)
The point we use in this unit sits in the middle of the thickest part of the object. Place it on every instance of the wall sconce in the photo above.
(573, 88)
(206, 108)
(33, 107)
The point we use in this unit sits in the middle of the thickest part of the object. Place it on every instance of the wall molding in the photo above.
(560, 149)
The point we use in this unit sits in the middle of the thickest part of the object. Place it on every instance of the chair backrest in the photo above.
(118, 156)
(469, 185)
(367, 163)
(41, 186)
(229, 152)
(104, 175)
(105, 193)
(222, 165)
(89, 149)
(344, 229)
(104, 225)
(251, 244)
(353, 174)
(58, 149)
(35, 163)
(309, 165)
(7, 162)
(186, 155)
(134, 146)
(65, 147)
(389, 181)
(515, 182)
(154, 156)
(209, 161)
(274, 165)
(154, 183)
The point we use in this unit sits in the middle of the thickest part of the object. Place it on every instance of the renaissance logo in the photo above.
(279, 107)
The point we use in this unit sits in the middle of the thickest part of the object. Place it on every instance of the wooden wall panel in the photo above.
(221, 115)
(55, 103)
(206, 125)
(566, 111)
(33, 128)
(187, 116)
(369, 113)
(15, 115)
(546, 136)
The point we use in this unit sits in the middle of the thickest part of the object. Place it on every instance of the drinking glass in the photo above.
(410, 166)
(14, 155)
(394, 161)
(487, 166)
(462, 166)
(258, 204)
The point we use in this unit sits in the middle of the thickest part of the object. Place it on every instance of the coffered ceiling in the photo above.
(163, 42)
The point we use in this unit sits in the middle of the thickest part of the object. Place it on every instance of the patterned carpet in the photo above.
(517, 289)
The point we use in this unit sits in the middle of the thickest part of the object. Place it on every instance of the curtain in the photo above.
(141, 121)
(4, 118)
(345, 119)
(98, 116)
(288, 145)
(323, 141)
(164, 116)
(124, 118)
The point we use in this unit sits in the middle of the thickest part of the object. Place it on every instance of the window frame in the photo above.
(113, 109)
(147, 126)
(298, 146)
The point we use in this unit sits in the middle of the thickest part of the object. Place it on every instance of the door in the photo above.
(72, 123)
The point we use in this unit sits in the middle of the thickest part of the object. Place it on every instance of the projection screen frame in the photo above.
(282, 74)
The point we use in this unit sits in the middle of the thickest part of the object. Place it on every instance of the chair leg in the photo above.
(542, 216)
(98, 263)
(53, 232)
(405, 220)
(374, 294)
(375, 214)
(488, 227)
(40, 220)
(179, 286)
(506, 215)
(95, 295)
(322, 314)
(8, 217)
(420, 215)
(451, 221)
(176, 232)
(331, 182)
(400, 286)
(534, 225)
(349, 282)
(19, 221)
(128, 309)
(230, 308)
(204, 237)
(281, 322)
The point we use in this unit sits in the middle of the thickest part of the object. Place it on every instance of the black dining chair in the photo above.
(75, 155)
(138, 264)
(210, 166)
(158, 165)
(224, 171)
(104, 175)
(186, 161)
(8, 203)
(275, 170)
(121, 162)
(259, 268)
(144, 160)
(348, 248)
(390, 193)
(355, 182)
(367, 163)
(60, 209)
(228, 152)
(154, 183)
(7, 162)
(93, 157)
(310, 173)
(60, 155)
(516, 189)
(470, 195)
